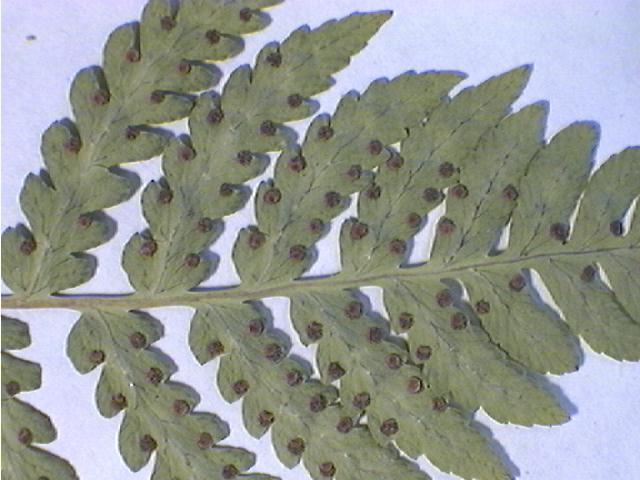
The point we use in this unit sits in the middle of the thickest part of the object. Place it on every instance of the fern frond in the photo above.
(149, 70)
(303, 180)
(22, 424)
(231, 135)
(278, 393)
(313, 183)
(470, 328)
(159, 414)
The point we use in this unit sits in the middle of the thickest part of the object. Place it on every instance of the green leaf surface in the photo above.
(534, 251)
(278, 395)
(231, 135)
(160, 414)
(23, 426)
(149, 71)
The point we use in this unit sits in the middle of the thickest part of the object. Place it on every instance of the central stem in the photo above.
(241, 293)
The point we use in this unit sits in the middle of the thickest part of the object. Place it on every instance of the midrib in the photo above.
(241, 294)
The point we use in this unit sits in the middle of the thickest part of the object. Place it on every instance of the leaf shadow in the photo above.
(541, 381)
(271, 330)
(496, 446)
(552, 313)
(282, 337)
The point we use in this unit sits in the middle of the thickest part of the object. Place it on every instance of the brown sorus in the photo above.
(296, 446)
(353, 310)
(295, 100)
(405, 321)
(272, 196)
(375, 147)
(317, 403)
(616, 228)
(344, 425)
(517, 283)
(148, 248)
(335, 371)
(510, 193)
(588, 273)
(458, 321)
(255, 327)
(118, 401)
(96, 357)
(274, 59)
(147, 443)
(446, 169)
(154, 376)
(293, 378)
(332, 199)
(444, 298)
(256, 239)
(414, 220)
(297, 164)
(230, 472)
(446, 226)
(393, 361)
(25, 436)
(439, 404)
(27, 247)
(181, 408)
(358, 230)
(212, 36)
(459, 191)
(327, 469)
(192, 260)
(389, 427)
(138, 340)
(375, 335)
(325, 132)
(431, 194)
(215, 116)
(483, 307)
(266, 418)
(314, 331)
(240, 387)
(273, 352)
(268, 128)
(297, 253)
(373, 192)
(423, 352)
(397, 247)
(205, 441)
(414, 385)
(361, 400)
(244, 157)
(12, 388)
(215, 348)
(226, 190)
(353, 173)
(395, 162)
(167, 23)
(245, 14)
(559, 231)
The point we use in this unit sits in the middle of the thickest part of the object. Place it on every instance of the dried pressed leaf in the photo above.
(476, 331)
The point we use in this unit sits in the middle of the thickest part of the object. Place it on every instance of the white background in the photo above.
(587, 63)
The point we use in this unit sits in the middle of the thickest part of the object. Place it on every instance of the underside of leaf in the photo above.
(473, 327)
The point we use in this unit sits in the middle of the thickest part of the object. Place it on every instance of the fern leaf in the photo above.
(23, 425)
(470, 328)
(159, 413)
(231, 135)
(315, 180)
(149, 70)
(277, 389)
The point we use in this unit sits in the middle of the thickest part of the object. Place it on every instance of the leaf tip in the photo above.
(377, 18)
